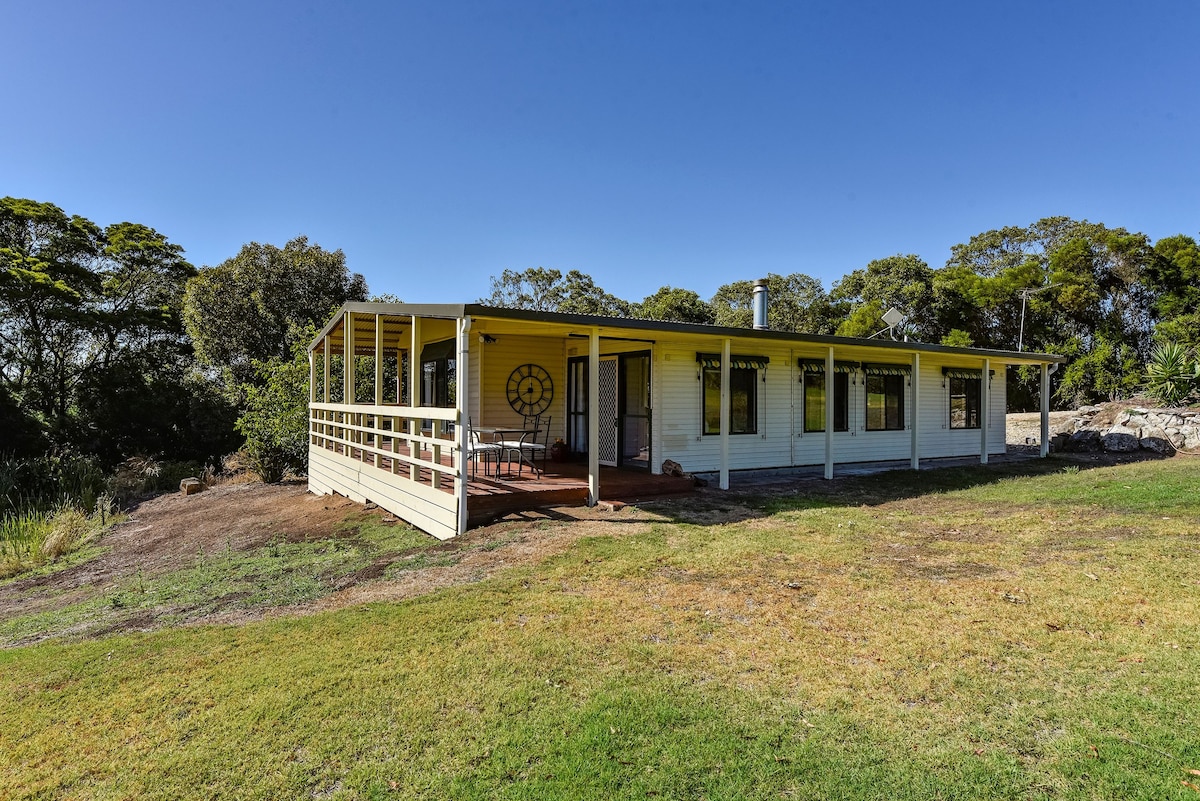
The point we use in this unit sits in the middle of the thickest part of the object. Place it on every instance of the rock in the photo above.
(1086, 440)
(670, 467)
(190, 486)
(1058, 442)
(1155, 439)
(1120, 439)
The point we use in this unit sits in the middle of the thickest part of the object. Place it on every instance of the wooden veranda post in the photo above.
(414, 384)
(594, 417)
(985, 410)
(724, 474)
(379, 360)
(462, 404)
(829, 396)
(915, 415)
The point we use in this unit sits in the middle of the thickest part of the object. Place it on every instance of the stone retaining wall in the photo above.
(1136, 428)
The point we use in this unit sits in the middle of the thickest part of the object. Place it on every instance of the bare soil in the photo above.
(171, 532)
(168, 533)
(1024, 429)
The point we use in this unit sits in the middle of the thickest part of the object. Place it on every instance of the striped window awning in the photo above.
(818, 366)
(965, 372)
(712, 361)
(887, 369)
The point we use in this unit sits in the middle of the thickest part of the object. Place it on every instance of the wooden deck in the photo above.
(562, 484)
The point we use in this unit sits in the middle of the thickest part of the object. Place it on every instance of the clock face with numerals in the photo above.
(530, 390)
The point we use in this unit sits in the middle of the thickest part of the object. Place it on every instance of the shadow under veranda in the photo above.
(751, 497)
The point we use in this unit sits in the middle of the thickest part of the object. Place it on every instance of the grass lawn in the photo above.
(1018, 632)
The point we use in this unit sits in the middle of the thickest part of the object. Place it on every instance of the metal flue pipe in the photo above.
(760, 304)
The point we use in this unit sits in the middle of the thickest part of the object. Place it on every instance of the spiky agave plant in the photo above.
(1172, 374)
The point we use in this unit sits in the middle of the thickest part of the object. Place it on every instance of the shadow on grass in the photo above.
(758, 497)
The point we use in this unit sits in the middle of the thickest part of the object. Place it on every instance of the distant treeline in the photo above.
(112, 345)
(1102, 296)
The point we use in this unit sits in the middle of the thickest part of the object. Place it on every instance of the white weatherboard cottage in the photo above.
(623, 393)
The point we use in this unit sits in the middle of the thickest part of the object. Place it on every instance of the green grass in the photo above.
(37, 541)
(965, 634)
(281, 573)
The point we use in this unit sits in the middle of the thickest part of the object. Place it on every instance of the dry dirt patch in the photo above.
(173, 532)
(170, 531)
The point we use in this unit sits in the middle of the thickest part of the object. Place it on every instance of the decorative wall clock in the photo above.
(530, 390)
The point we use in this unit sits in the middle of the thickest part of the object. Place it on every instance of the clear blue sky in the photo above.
(644, 143)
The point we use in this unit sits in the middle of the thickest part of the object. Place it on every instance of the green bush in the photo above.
(275, 418)
(42, 483)
(1172, 374)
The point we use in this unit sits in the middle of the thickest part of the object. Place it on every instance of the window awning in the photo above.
(712, 361)
(964, 372)
(887, 369)
(818, 366)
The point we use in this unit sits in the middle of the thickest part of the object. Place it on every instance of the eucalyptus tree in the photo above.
(547, 289)
(676, 305)
(1096, 307)
(92, 348)
(900, 282)
(796, 302)
(257, 305)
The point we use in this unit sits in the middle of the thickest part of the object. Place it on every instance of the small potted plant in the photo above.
(558, 451)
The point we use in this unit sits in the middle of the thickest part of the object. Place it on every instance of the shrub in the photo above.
(30, 538)
(43, 483)
(275, 420)
(1172, 374)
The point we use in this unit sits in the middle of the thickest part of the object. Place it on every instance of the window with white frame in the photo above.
(885, 396)
(965, 390)
(744, 374)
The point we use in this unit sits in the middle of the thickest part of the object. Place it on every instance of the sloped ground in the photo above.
(242, 552)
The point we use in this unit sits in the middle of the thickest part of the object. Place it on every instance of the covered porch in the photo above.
(393, 397)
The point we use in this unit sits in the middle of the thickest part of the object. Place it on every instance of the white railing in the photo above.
(403, 458)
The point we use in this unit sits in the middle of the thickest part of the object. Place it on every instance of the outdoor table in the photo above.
(500, 435)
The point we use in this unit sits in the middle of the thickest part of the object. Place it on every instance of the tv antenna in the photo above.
(1026, 294)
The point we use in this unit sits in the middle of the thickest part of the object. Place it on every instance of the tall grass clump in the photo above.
(45, 483)
(31, 538)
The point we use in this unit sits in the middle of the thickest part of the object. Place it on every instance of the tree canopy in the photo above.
(112, 344)
(256, 305)
(91, 331)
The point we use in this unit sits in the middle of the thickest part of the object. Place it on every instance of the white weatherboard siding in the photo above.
(678, 413)
(937, 438)
(497, 362)
(781, 440)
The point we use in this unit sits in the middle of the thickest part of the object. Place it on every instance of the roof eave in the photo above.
(450, 310)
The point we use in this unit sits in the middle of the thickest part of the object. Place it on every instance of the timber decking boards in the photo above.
(562, 484)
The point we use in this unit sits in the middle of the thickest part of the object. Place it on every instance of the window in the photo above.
(885, 402)
(743, 400)
(814, 401)
(964, 402)
(438, 381)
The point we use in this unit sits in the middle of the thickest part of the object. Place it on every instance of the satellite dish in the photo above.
(893, 317)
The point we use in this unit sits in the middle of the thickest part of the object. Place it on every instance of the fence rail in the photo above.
(403, 458)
